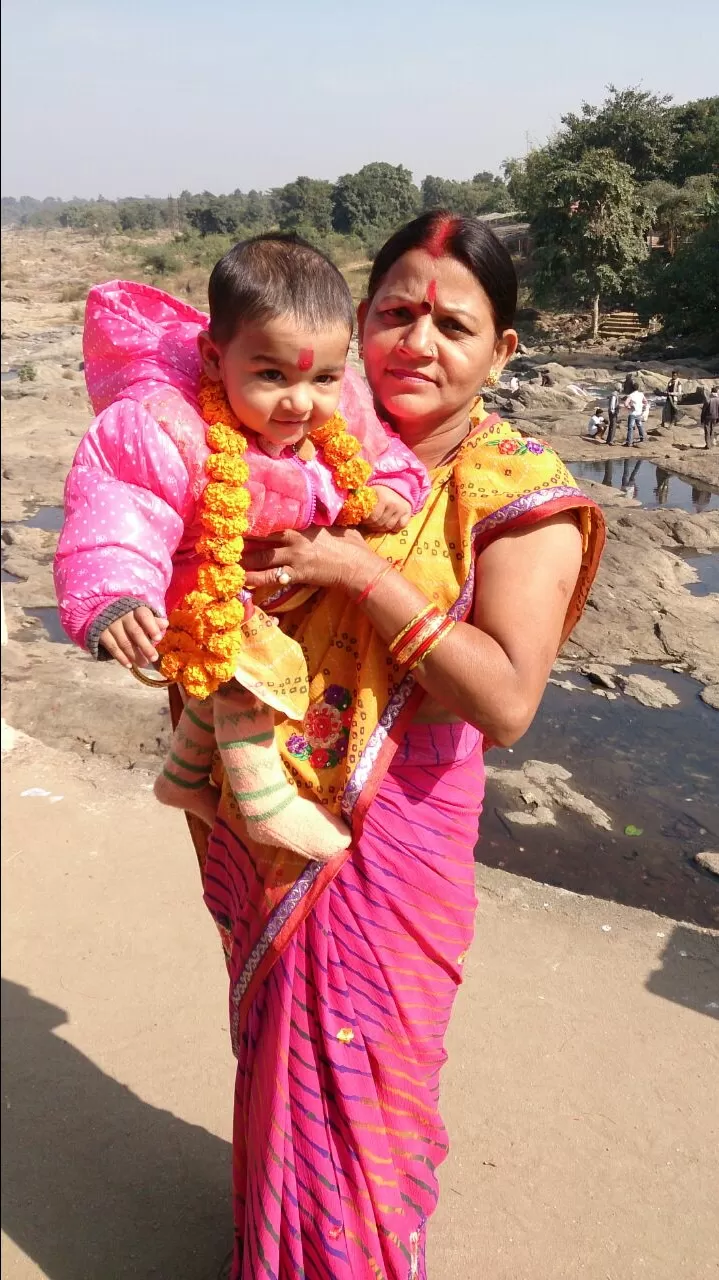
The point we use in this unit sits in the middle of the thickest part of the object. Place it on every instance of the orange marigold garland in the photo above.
(202, 645)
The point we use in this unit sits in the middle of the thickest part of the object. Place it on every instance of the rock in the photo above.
(603, 676)
(710, 695)
(538, 771)
(709, 861)
(550, 789)
(651, 693)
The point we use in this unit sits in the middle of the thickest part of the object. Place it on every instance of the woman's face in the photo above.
(429, 341)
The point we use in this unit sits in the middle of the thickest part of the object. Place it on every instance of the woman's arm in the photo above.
(491, 671)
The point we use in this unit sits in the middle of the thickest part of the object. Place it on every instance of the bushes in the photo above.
(161, 261)
(27, 372)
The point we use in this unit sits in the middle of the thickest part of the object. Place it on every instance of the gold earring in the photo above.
(492, 378)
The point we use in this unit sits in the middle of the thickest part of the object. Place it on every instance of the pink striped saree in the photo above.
(337, 1132)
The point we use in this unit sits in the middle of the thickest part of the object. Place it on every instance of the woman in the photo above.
(342, 976)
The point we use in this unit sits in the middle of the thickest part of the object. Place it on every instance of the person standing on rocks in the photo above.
(674, 393)
(710, 419)
(631, 383)
(637, 405)
(613, 411)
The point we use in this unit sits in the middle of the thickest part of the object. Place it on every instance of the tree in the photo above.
(589, 228)
(637, 127)
(679, 211)
(484, 194)
(377, 199)
(306, 202)
(683, 290)
(696, 126)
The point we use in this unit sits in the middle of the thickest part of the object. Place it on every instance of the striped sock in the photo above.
(267, 800)
(185, 779)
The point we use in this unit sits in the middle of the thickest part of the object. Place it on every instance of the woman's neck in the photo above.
(435, 442)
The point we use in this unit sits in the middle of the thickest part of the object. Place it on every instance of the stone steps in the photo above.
(621, 324)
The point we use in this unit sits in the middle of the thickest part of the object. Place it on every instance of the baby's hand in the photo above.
(132, 638)
(390, 513)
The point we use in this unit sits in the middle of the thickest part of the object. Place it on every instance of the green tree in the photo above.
(696, 126)
(484, 194)
(306, 202)
(683, 290)
(636, 126)
(589, 227)
(377, 199)
(679, 211)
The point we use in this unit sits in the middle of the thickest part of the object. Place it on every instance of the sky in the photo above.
(151, 97)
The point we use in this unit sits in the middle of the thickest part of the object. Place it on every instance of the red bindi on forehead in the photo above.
(431, 295)
(305, 359)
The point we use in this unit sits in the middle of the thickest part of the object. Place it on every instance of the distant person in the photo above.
(673, 394)
(711, 422)
(514, 384)
(637, 406)
(700, 498)
(613, 412)
(631, 383)
(597, 424)
(547, 380)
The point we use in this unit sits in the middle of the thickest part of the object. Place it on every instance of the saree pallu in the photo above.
(337, 1133)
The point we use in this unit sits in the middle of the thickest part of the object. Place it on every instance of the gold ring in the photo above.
(160, 683)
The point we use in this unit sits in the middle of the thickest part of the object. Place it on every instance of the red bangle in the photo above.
(374, 583)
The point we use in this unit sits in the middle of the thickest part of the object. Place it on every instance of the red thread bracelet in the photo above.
(374, 583)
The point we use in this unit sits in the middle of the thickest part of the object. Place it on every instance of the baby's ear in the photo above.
(209, 355)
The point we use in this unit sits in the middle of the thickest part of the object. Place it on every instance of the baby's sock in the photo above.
(185, 779)
(268, 801)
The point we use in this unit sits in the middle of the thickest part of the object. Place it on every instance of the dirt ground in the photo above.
(582, 1090)
(581, 1094)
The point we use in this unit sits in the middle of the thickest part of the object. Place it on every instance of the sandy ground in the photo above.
(581, 1095)
(582, 1088)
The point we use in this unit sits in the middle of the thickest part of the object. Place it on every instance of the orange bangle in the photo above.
(411, 628)
(417, 638)
(447, 625)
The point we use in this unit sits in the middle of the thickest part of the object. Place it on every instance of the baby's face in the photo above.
(282, 381)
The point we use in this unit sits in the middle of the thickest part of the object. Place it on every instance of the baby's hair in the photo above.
(276, 275)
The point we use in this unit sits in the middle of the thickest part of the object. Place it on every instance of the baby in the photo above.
(205, 432)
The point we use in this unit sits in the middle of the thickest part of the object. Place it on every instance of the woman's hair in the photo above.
(467, 240)
(276, 275)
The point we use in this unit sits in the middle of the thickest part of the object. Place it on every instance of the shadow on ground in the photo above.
(689, 972)
(98, 1182)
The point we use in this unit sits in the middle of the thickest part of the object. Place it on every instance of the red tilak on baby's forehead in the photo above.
(305, 359)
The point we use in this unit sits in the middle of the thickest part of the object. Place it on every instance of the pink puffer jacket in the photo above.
(131, 498)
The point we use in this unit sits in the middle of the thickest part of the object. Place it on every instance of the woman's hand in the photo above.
(317, 557)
